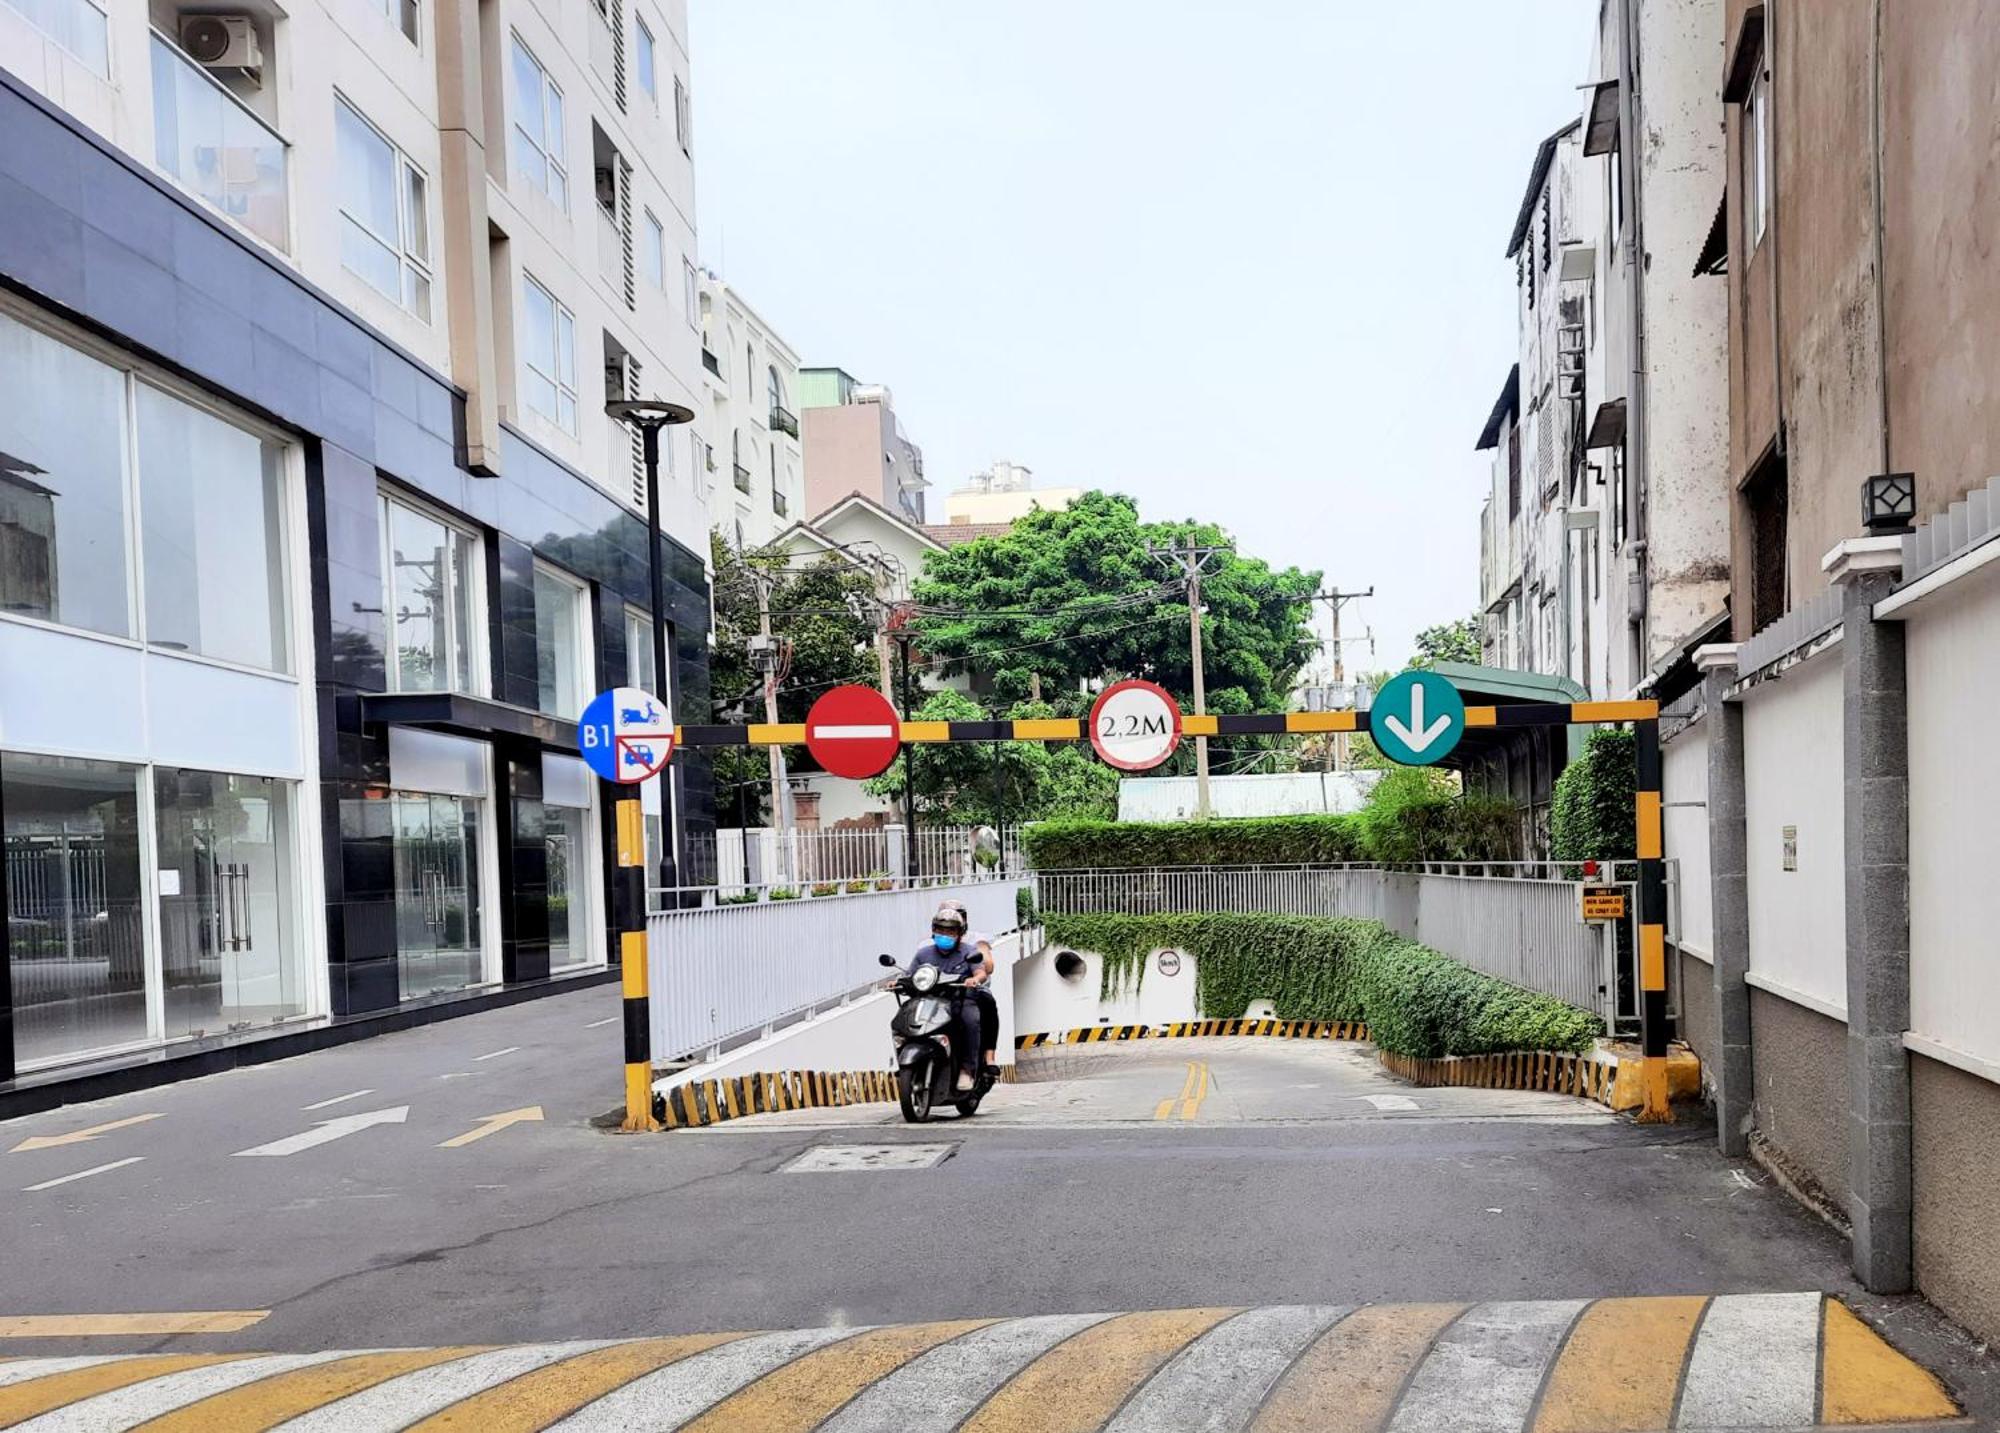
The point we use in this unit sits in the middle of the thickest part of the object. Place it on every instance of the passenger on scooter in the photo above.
(949, 951)
(982, 989)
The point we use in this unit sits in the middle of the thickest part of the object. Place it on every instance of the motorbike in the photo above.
(927, 1002)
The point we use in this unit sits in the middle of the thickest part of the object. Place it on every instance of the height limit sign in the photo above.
(1135, 726)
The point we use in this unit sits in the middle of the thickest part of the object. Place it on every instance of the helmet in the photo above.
(948, 920)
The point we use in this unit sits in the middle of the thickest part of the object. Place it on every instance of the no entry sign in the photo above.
(625, 734)
(1135, 725)
(853, 732)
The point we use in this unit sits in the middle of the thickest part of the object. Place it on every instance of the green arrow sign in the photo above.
(1417, 718)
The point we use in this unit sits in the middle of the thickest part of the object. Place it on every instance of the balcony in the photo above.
(778, 503)
(784, 421)
(217, 148)
(742, 479)
(710, 361)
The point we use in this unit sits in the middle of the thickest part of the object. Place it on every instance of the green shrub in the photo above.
(782, 893)
(1414, 1000)
(1415, 813)
(1024, 907)
(1591, 815)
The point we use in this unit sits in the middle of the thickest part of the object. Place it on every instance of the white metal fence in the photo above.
(1518, 921)
(723, 971)
(734, 858)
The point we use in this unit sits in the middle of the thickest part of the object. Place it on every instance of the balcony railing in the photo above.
(217, 148)
(784, 421)
(778, 503)
(711, 362)
(742, 479)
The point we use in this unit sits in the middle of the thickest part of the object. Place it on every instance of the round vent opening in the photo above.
(205, 38)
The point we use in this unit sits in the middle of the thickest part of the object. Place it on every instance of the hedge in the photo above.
(1414, 1000)
(1590, 815)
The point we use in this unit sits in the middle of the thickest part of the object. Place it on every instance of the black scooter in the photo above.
(927, 1004)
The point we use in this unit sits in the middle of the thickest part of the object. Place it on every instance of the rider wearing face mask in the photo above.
(950, 952)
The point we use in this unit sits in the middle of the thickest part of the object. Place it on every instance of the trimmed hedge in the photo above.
(1414, 1000)
(1590, 816)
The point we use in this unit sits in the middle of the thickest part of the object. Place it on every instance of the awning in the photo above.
(1505, 407)
(1744, 55)
(466, 716)
(1607, 425)
(1714, 256)
(1600, 127)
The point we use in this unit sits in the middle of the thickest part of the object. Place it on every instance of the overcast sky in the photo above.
(1243, 262)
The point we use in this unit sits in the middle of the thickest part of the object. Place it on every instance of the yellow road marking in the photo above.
(1621, 1366)
(539, 1399)
(112, 1325)
(52, 1141)
(271, 1401)
(1347, 1382)
(800, 1396)
(22, 1401)
(1191, 1105)
(493, 1124)
(1077, 1385)
(1165, 1108)
(1864, 1380)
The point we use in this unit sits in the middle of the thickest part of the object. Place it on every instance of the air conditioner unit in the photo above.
(222, 42)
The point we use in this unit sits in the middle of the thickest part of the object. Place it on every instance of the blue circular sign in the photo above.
(1417, 718)
(625, 735)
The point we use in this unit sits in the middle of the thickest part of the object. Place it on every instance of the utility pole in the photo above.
(1192, 560)
(773, 658)
(1335, 601)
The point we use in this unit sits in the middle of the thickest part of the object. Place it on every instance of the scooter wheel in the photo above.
(914, 1095)
(966, 1108)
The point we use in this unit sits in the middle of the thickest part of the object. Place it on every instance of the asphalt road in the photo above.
(1300, 1175)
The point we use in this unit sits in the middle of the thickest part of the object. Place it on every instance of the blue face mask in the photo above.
(945, 942)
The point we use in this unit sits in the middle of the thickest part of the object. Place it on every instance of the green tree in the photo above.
(972, 784)
(1111, 611)
(823, 608)
(1448, 642)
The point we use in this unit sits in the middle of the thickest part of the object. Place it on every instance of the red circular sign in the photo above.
(853, 732)
(1135, 725)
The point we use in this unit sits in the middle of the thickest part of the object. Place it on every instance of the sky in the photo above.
(1244, 262)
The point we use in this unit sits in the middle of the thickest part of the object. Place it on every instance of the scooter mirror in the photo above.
(887, 959)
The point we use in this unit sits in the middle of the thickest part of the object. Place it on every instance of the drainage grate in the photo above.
(848, 1158)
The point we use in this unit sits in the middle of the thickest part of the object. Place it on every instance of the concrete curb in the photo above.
(1610, 1074)
(708, 1102)
(1276, 1029)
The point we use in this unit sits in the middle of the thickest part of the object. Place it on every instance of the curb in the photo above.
(1276, 1029)
(1609, 1075)
(708, 1102)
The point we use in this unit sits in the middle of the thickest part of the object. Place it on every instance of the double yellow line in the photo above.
(1194, 1089)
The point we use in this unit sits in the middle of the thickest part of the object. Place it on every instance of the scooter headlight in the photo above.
(924, 977)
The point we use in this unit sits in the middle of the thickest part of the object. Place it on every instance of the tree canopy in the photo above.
(969, 784)
(1448, 642)
(1107, 610)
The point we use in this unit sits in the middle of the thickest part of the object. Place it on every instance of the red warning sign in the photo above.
(853, 732)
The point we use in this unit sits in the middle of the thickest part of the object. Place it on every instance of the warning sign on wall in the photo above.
(1602, 903)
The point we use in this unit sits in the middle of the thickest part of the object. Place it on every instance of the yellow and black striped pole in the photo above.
(628, 899)
(1655, 1107)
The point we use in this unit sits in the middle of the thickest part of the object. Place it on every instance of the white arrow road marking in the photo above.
(850, 733)
(83, 1174)
(337, 1100)
(1416, 736)
(329, 1130)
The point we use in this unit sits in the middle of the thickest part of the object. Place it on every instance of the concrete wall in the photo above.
(1684, 816)
(1695, 994)
(1954, 1142)
(1049, 1001)
(1800, 1060)
(1792, 777)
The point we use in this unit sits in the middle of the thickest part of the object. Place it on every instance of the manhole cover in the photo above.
(838, 1158)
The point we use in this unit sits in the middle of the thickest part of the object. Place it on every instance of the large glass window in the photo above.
(212, 530)
(229, 915)
(656, 253)
(404, 14)
(538, 127)
(562, 644)
(385, 224)
(77, 25)
(1755, 124)
(649, 80)
(569, 840)
(62, 484)
(549, 353)
(205, 138)
(75, 927)
(433, 602)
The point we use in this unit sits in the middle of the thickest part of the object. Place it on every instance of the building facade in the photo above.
(753, 467)
(855, 443)
(1002, 495)
(313, 539)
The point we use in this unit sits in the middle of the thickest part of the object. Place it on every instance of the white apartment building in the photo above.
(752, 469)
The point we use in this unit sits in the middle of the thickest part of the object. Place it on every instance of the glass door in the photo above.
(228, 923)
(437, 856)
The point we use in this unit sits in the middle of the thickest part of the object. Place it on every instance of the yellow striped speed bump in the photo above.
(1275, 1029)
(1743, 1362)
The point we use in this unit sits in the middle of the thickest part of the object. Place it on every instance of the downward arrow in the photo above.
(52, 1141)
(493, 1124)
(329, 1131)
(1416, 736)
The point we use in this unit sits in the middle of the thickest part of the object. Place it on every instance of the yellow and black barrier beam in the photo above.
(628, 900)
(1650, 849)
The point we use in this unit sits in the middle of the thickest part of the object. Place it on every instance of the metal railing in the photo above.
(784, 421)
(734, 860)
(742, 478)
(710, 361)
(217, 147)
(720, 973)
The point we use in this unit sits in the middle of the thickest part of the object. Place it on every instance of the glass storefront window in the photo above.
(75, 905)
(570, 843)
(432, 601)
(436, 849)
(212, 534)
(562, 644)
(229, 942)
(62, 484)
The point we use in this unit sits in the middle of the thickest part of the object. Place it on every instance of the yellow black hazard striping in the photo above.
(1276, 1029)
(707, 1102)
(1213, 724)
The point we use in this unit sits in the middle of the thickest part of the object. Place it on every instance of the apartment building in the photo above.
(855, 443)
(749, 423)
(314, 537)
